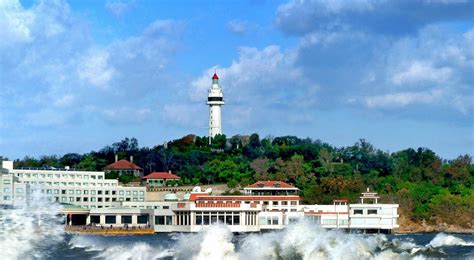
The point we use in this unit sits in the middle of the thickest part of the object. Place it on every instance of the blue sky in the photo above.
(78, 75)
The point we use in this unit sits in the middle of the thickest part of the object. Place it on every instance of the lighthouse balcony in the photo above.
(209, 99)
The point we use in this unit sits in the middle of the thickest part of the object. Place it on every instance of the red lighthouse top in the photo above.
(215, 76)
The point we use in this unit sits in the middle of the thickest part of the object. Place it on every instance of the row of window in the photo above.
(78, 184)
(361, 211)
(57, 176)
(94, 192)
(99, 199)
(124, 219)
(268, 220)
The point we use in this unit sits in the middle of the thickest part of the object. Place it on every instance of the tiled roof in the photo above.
(122, 165)
(215, 76)
(200, 196)
(161, 175)
(271, 184)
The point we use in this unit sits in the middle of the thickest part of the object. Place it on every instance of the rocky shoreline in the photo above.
(410, 227)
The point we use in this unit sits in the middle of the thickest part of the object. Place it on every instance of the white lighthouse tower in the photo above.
(215, 100)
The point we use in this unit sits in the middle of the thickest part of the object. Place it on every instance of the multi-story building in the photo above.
(83, 188)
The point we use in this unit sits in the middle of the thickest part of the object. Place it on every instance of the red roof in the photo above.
(161, 175)
(122, 165)
(271, 184)
(215, 76)
(200, 196)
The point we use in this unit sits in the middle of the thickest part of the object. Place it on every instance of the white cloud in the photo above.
(95, 69)
(402, 99)
(419, 71)
(15, 23)
(125, 115)
(118, 8)
(64, 101)
(236, 26)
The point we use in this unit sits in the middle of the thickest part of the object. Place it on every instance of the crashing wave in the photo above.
(31, 228)
(442, 239)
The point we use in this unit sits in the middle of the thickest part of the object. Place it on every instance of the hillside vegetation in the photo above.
(426, 186)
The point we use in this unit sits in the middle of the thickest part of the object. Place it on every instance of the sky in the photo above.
(78, 75)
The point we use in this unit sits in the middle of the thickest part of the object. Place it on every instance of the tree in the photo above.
(261, 167)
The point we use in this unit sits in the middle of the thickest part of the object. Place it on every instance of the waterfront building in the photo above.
(90, 201)
(124, 167)
(215, 100)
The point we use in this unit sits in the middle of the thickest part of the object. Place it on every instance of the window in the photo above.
(372, 212)
(236, 220)
(106, 192)
(85, 199)
(95, 219)
(92, 192)
(99, 192)
(110, 219)
(99, 199)
(78, 192)
(78, 199)
(142, 193)
(92, 199)
(86, 192)
(128, 192)
(142, 219)
(358, 212)
(166, 207)
(19, 190)
(128, 219)
(114, 192)
(121, 192)
(135, 193)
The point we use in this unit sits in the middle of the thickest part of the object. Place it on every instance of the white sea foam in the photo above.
(307, 241)
(442, 239)
(213, 243)
(138, 251)
(28, 230)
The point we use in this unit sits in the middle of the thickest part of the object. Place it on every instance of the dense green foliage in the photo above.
(425, 186)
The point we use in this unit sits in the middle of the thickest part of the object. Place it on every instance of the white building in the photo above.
(83, 188)
(215, 100)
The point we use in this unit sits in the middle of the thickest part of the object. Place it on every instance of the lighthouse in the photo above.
(215, 99)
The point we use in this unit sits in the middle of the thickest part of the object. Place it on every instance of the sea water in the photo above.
(35, 232)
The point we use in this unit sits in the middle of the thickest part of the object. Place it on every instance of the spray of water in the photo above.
(448, 240)
(29, 229)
